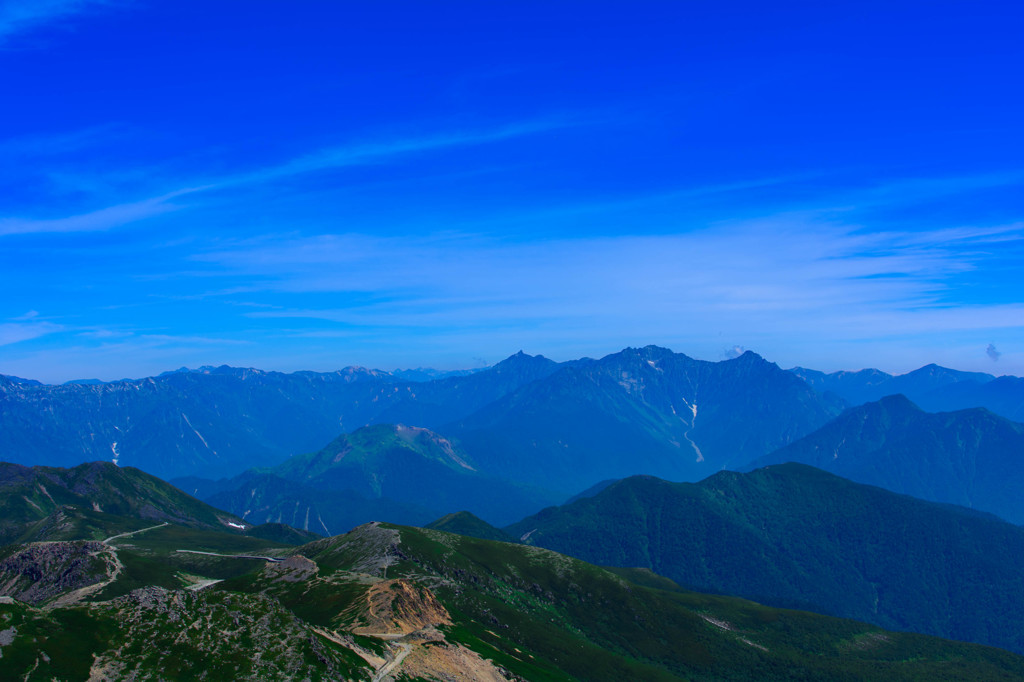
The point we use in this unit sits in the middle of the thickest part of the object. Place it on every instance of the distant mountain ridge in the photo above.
(933, 388)
(642, 410)
(560, 427)
(220, 421)
(796, 536)
(527, 419)
(971, 458)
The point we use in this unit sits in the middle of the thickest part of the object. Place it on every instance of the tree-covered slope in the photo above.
(464, 523)
(56, 503)
(544, 616)
(798, 536)
(386, 602)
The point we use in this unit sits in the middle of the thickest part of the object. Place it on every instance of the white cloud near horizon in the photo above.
(772, 274)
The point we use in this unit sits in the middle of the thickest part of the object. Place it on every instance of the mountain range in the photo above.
(535, 431)
(220, 421)
(112, 551)
(645, 410)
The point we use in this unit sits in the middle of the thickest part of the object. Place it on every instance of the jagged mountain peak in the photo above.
(945, 374)
(521, 359)
(649, 352)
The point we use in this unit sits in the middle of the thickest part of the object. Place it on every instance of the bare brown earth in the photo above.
(399, 607)
(444, 661)
(294, 569)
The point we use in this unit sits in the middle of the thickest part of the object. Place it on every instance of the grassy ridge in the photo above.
(799, 537)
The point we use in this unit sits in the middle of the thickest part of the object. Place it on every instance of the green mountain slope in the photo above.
(403, 474)
(389, 602)
(55, 503)
(464, 523)
(971, 458)
(796, 536)
(544, 616)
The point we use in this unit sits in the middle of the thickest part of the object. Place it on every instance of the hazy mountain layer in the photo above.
(221, 421)
(268, 498)
(971, 458)
(934, 388)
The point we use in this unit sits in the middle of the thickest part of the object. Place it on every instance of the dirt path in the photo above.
(231, 556)
(205, 582)
(141, 530)
(390, 666)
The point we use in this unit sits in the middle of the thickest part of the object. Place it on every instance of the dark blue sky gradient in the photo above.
(314, 184)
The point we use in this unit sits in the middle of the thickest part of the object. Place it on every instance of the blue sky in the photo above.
(311, 185)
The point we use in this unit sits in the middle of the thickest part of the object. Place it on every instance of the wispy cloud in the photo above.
(15, 332)
(764, 274)
(380, 151)
(329, 158)
(17, 16)
(912, 190)
(96, 221)
(175, 339)
(56, 144)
